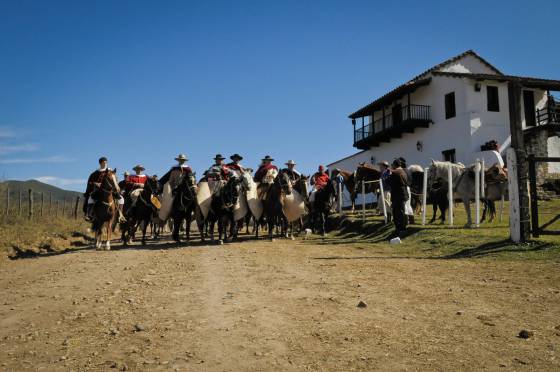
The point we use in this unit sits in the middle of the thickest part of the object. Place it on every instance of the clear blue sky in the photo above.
(143, 81)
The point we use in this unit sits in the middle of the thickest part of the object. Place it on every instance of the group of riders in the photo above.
(219, 171)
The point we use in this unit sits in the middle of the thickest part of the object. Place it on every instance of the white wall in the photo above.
(554, 151)
(468, 64)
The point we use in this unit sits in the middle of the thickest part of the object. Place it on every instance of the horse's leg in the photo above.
(492, 210)
(176, 226)
(109, 227)
(467, 204)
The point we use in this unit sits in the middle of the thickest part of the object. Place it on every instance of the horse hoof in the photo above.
(292, 238)
(220, 242)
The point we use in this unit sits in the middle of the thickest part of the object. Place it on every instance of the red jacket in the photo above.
(262, 171)
(320, 180)
(131, 180)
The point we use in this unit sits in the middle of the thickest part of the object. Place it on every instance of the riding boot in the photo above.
(89, 212)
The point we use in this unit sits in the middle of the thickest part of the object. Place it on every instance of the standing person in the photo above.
(266, 165)
(385, 175)
(399, 195)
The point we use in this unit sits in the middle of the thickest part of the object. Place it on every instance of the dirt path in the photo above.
(286, 305)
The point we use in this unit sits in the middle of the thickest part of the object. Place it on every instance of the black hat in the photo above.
(267, 158)
(403, 162)
(396, 163)
(103, 158)
(219, 157)
(236, 156)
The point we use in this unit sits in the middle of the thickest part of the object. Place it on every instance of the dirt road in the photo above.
(286, 305)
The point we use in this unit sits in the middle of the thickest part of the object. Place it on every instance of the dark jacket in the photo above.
(398, 182)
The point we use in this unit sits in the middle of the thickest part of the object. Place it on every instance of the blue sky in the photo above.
(142, 81)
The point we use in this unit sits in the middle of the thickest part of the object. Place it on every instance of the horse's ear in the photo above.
(115, 171)
(432, 161)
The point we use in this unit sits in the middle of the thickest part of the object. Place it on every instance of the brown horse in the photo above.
(105, 208)
(364, 173)
(349, 183)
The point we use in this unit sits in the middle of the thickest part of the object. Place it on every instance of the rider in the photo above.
(291, 171)
(94, 183)
(385, 174)
(172, 176)
(265, 166)
(235, 166)
(319, 180)
(122, 184)
(136, 181)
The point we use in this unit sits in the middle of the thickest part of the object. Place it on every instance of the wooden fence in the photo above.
(38, 204)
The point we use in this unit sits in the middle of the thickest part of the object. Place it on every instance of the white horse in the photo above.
(463, 185)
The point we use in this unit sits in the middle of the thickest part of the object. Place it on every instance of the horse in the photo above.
(322, 205)
(302, 187)
(415, 175)
(364, 173)
(141, 212)
(105, 208)
(254, 204)
(437, 196)
(495, 187)
(224, 199)
(349, 182)
(183, 205)
(272, 203)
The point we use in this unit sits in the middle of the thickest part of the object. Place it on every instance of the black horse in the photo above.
(139, 214)
(224, 199)
(184, 203)
(272, 204)
(322, 205)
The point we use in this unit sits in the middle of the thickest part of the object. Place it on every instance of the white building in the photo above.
(449, 112)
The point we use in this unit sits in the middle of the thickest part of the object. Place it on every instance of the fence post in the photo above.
(56, 210)
(450, 193)
(30, 193)
(64, 207)
(477, 191)
(501, 207)
(7, 200)
(482, 180)
(424, 195)
(514, 202)
(533, 195)
(76, 207)
(340, 198)
(382, 195)
(42, 203)
(363, 201)
(19, 203)
(50, 204)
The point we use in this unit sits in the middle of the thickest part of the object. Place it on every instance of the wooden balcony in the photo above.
(393, 125)
(547, 118)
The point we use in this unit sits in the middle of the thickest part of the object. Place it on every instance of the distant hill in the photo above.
(38, 188)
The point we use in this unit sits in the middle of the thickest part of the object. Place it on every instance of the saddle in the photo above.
(262, 190)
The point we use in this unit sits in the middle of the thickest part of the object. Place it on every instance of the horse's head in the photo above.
(284, 183)
(110, 182)
(496, 173)
(302, 185)
(151, 185)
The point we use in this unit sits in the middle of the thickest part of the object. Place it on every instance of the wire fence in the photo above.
(28, 203)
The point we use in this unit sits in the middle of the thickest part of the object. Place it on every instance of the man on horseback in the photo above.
(176, 171)
(235, 166)
(318, 181)
(291, 171)
(133, 183)
(265, 166)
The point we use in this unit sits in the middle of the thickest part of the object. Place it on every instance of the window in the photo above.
(450, 105)
(449, 155)
(493, 102)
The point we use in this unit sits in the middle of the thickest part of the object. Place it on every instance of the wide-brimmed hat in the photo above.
(290, 162)
(385, 163)
(236, 156)
(267, 158)
(219, 157)
(126, 173)
(181, 157)
(139, 167)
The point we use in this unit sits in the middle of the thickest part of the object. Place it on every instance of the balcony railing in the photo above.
(393, 121)
(549, 114)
